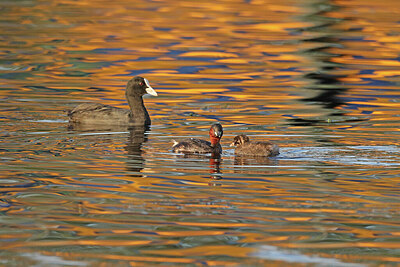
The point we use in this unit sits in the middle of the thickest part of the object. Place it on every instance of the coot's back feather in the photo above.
(94, 113)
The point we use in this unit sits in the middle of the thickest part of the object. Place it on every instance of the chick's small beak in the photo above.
(232, 144)
(149, 89)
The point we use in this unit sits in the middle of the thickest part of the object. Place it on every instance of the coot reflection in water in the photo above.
(137, 137)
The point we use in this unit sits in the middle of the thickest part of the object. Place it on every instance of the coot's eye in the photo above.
(141, 83)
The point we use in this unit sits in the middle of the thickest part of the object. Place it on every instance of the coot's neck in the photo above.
(139, 114)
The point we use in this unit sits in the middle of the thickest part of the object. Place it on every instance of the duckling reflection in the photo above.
(255, 160)
(246, 164)
(137, 137)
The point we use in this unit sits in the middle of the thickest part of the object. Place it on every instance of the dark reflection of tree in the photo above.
(324, 80)
(137, 137)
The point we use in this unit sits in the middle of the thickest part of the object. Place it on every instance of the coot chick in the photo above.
(194, 145)
(95, 113)
(246, 148)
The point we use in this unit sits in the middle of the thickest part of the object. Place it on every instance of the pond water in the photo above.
(319, 78)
